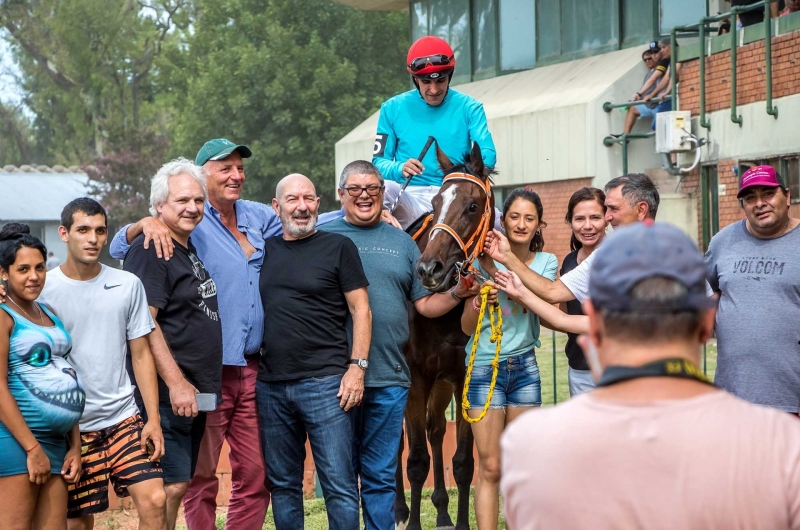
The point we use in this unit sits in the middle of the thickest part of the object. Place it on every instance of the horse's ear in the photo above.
(444, 162)
(476, 159)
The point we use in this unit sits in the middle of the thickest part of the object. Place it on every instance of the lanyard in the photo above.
(674, 367)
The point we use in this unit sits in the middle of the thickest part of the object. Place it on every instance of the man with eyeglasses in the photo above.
(647, 110)
(432, 108)
(389, 259)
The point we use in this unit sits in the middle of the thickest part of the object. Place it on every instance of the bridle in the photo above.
(478, 237)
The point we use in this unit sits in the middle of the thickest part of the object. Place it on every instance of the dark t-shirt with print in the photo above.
(188, 313)
(302, 286)
(575, 355)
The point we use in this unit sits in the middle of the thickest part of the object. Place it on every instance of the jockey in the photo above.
(431, 109)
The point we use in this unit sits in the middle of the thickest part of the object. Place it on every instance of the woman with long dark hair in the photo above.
(41, 398)
(586, 214)
(518, 385)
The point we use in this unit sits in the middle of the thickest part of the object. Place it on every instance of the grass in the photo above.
(545, 354)
(316, 517)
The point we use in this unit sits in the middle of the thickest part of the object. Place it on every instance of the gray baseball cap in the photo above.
(643, 250)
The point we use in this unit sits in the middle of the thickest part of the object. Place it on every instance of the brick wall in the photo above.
(750, 74)
(555, 198)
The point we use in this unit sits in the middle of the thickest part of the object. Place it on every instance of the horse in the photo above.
(463, 211)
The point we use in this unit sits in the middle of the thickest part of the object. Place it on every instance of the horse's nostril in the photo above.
(429, 269)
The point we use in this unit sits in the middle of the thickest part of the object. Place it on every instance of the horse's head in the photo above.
(463, 212)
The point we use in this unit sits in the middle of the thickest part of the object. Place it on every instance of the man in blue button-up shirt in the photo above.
(230, 242)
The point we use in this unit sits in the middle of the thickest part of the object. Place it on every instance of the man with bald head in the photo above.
(309, 376)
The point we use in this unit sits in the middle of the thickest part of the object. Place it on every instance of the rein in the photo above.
(475, 241)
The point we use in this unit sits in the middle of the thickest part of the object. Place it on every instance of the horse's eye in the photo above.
(473, 207)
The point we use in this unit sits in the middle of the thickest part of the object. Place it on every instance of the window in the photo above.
(484, 24)
(709, 197)
(419, 20)
(637, 22)
(548, 29)
(449, 19)
(791, 174)
(588, 25)
(680, 13)
(517, 34)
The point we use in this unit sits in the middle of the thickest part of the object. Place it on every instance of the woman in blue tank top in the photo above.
(518, 385)
(41, 397)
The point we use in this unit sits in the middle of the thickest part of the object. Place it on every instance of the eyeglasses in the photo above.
(356, 191)
(434, 60)
(648, 58)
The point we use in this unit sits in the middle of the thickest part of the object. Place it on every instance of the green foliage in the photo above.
(87, 70)
(287, 77)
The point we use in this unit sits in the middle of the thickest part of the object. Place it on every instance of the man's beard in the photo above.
(298, 231)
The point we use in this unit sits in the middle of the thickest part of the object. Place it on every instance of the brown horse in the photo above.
(435, 349)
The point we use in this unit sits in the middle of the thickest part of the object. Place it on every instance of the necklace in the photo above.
(41, 316)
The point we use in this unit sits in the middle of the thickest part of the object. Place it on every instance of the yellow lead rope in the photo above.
(496, 338)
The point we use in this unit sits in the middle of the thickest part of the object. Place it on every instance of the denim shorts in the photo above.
(518, 384)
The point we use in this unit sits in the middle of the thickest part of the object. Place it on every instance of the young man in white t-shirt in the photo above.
(105, 311)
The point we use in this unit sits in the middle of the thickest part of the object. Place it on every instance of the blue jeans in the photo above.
(289, 411)
(377, 428)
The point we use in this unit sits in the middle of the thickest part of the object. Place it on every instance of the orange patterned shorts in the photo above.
(112, 453)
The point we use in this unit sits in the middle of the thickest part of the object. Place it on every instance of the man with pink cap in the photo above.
(753, 265)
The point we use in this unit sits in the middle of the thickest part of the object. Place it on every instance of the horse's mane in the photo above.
(465, 167)
(468, 168)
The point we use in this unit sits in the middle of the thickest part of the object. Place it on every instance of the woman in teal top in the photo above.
(41, 397)
(518, 387)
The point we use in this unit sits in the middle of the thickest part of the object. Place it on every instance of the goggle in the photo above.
(433, 60)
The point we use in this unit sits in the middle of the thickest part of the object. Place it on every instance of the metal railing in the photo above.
(623, 139)
(701, 28)
(455, 408)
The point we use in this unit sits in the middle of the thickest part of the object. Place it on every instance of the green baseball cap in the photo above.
(219, 148)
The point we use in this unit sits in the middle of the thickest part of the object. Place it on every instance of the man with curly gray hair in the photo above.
(187, 340)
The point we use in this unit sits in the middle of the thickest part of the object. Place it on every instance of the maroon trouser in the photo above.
(236, 420)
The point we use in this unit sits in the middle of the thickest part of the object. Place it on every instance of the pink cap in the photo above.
(760, 176)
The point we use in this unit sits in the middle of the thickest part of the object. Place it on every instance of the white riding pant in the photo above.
(416, 201)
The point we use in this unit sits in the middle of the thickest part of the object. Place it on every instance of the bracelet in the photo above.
(475, 305)
(453, 294)
(32, 448)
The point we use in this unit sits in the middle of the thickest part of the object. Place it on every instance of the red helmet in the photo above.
(430, 58)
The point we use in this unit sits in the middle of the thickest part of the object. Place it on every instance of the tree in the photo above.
(287, 77)
(121, 179)
(87, 66)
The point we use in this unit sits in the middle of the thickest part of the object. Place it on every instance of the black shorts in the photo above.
(182, 437)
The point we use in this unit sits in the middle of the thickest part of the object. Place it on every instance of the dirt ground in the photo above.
(128, 520)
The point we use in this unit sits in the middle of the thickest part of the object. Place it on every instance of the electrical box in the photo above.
(673, 129)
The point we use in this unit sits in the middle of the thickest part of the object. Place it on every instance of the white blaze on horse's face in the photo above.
(448, 196)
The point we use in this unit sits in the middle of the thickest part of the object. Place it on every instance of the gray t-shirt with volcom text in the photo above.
(389, 257)
(758, 319)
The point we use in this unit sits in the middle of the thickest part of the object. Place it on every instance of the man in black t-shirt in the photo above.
(187, 341)
(310, 283)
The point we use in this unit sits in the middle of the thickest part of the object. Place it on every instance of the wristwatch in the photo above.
(362, 363)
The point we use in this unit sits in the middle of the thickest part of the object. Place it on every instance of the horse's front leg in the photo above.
(419, 461)
(463, 463)
(437, 427)
(400, 505)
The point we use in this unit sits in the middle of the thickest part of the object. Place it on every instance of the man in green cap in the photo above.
(230, 242)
